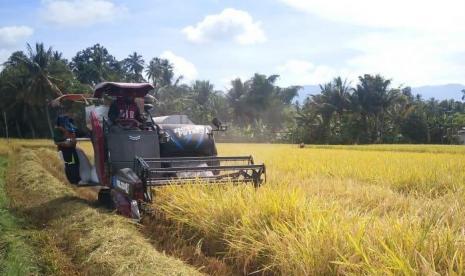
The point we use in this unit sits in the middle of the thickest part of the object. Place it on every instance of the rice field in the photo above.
(334, 210)
(324, 210)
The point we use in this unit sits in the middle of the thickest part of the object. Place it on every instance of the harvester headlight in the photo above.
(163, 136)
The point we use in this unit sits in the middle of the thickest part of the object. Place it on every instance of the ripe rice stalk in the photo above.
(327, 211)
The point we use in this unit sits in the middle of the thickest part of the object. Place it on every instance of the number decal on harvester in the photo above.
(190, 130)
(122, 186)
(134, 138)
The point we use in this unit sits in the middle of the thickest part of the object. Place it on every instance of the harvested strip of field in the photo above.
(16, 254)
(166, 236)
(94, 241)
(331, 211)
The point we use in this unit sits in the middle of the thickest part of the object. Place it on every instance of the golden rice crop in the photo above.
(334, 211)
(459, 149)
(428, 173)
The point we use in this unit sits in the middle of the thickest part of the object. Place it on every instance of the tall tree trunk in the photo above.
(30, 121)
(6, 125)
(53, 86)
(31, 128)
(50, 128)
(376, 132)
(326, 129)
(18, 129)
(367, 137)
(382, 128)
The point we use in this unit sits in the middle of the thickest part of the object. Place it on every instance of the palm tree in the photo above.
(38, 63)
(341, 96)
(95, 64)
(57, 55)
(262, 89)
(374, 98)
(235, 98)
(320, 104)
(311, 121)
(202, 95)
(160, 72)
(134, 65)
(336, 94)
(335, 98)
(202, 91)
(41, 79)
(400, 108)
(12, 91)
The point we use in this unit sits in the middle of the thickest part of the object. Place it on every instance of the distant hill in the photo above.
(440, 92)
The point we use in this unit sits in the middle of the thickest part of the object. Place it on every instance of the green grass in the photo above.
(16, 256)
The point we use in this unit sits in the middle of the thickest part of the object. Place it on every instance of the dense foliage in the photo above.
(373, 112)
(256, 109)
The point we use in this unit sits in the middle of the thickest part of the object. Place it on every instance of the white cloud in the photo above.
(445, 15)
(302, 72)
(182, 67)
(230, 24)
(416, 42)
(12, 35)
(406, 58)
(80, 12)
(414, 59)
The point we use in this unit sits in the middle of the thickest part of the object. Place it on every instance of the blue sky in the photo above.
(413, 42)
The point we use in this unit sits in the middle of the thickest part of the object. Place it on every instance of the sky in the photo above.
(412, 42)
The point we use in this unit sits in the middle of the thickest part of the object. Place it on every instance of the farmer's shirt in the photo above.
(122, 110)
(70, 157)
(60, 134)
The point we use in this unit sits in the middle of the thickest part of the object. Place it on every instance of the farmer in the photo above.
(124, 108)
(64, 135)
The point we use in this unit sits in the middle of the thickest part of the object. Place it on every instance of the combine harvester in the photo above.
(131, 157)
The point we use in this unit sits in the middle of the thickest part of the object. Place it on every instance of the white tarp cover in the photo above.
(101, 111)
(87, 172)
(194, 174)
(173, 119)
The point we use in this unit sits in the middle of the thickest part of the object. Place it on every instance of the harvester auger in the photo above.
(131, 158)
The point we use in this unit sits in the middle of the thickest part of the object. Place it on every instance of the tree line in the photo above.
(373, 112)
(256, 109)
